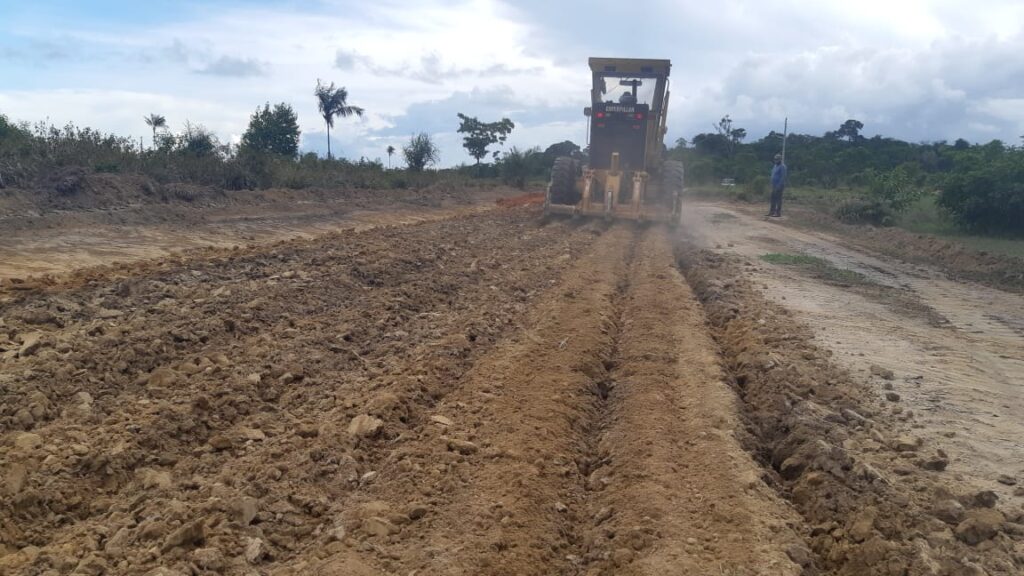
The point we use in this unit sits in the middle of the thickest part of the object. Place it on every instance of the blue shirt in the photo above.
(778, 176)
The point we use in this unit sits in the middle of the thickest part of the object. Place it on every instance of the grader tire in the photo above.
(672, 177)
(563, 181)
(672, 187)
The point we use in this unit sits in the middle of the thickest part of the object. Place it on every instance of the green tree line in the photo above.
(980, 185)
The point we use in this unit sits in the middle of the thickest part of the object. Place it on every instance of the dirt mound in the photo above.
(115, 217)
(78, 190)
(75, 189)
(872, 500)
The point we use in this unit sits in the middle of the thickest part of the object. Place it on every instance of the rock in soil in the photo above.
(984, 499)
(979, 525)
(464, 447)
(907, 444)
(376, 526)
(255, 550)
(187, 535)
(949, 511)
(883, 373)
(28, 441)
(937, 464)
(365, 426)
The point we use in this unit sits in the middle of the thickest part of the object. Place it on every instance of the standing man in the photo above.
(778, 185)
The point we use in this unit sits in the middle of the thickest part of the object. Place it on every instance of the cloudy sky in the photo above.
(914, 69)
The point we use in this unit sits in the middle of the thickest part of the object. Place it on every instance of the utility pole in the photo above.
(785, 134)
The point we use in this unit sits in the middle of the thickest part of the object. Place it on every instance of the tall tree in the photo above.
(333, 102)
(850, 130)
(155, 121)
(391, 152)
(733, 136)
(273, 130)
(563, 148)
(479, 135)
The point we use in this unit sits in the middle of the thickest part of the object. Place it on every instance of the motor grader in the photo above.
(625, 175)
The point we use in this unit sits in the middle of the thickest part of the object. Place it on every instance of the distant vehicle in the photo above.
(626, 175)
(728, 182)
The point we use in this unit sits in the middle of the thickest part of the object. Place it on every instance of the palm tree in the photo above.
(333, 102)
(155, 121)
(391, 152)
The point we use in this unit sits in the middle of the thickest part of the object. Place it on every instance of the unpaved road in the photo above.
(478, 394)
(961, 377)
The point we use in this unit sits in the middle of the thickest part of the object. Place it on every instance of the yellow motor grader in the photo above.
(625, 175)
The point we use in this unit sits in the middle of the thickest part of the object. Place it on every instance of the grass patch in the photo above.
(817, 268)
(793, 259)
(899, 302)
(925, 217)
(819, 198)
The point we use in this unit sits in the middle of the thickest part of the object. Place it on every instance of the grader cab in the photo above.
(626, 175)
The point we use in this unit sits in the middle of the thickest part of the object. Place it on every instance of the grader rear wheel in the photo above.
(672, 177)
(672, 180)
(563, 181)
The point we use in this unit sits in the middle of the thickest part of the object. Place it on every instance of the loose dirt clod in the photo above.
(364, 425)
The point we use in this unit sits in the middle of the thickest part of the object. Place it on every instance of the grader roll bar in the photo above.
(625, 175)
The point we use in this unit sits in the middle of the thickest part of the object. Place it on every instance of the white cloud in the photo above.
(234, 67)
(102, 108)
(916, 69)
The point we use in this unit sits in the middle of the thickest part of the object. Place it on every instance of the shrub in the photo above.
(197, 141)
(897, 188)
(700, 171)
(987, 194)
(757, 186)
(47, 157)
(518, 166)
(860, 211)
(420, 152)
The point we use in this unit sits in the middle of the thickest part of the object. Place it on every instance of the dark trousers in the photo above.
(776, 202)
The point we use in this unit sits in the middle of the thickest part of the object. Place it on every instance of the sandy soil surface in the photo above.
(959, 380)
(482, 393)
(957, 260)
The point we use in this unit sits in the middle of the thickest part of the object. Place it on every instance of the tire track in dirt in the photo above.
(597, 440)
(682, 495)
(956, 387)
(873, 496)
(500, 467)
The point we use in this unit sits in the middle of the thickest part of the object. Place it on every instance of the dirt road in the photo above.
(955, 350)
(479, 394)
